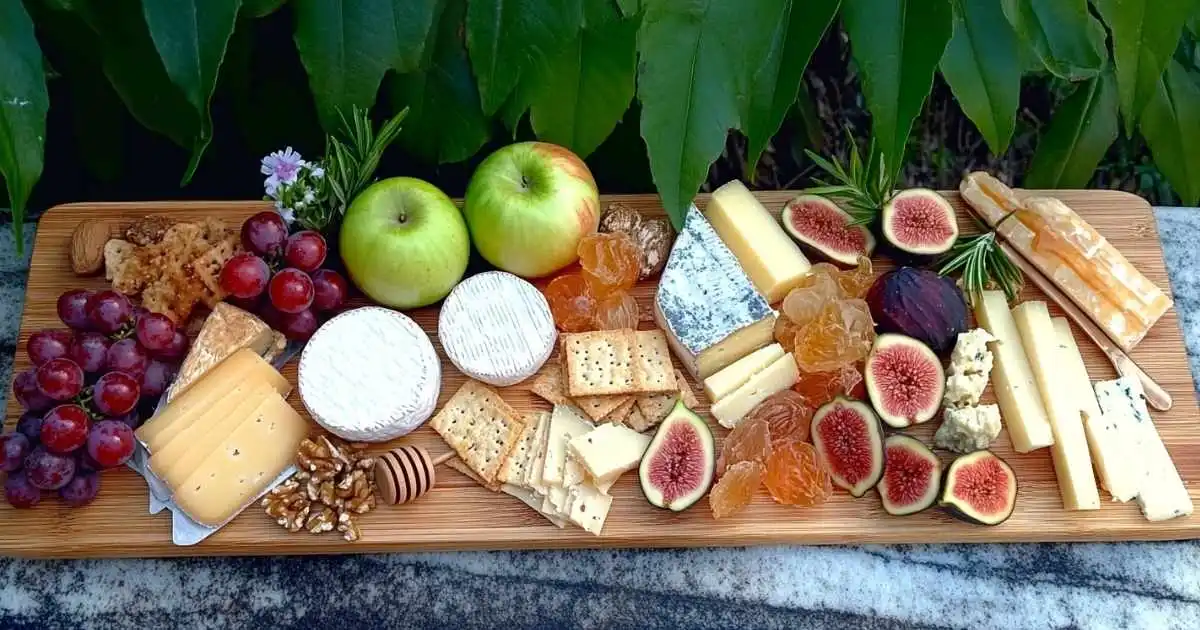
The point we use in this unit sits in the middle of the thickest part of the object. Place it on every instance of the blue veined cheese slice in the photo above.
(706, 304)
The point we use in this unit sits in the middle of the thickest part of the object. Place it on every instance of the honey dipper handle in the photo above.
(443, 457)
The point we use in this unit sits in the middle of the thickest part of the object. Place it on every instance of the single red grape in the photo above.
(305, 251)
(48, 344)
(126, 356)
(109, 311)
(26, 390)
(81, 490)
(72, 309)
(177, 349)
(19, 492)
(329, 290)
(157, 377)
(30, 425)
(116, 394)
(155, 331)
(265, 233)
(110, 443)
(13, 449)
(133, 419)
(49, 471)
(298, 326)
(291, 290)
(60, 379)
(84, 462)
(245, 276)
(65, 428)
(90, 351)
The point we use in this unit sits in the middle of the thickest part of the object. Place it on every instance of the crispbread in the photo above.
(480, 427)
(685, 390)
(599, 407)
(599, 363)
(517, 462)
(549, 384)
(636, 420)
(655, 407)
(621, 414)
(653, 370)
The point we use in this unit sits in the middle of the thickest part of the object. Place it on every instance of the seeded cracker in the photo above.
(655, 407)
(654, 369)
(480, 427)
(599, 408)
(599, 363)
(636, 420)
(549, 384)
(514, 469)
(621, 414)
(457, 464)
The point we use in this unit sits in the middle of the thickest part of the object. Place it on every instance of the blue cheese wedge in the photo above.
(1161, 493)
(588, 508)
(608, 451)
(711, 311)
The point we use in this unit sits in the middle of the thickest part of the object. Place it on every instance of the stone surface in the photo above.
(1141, 585)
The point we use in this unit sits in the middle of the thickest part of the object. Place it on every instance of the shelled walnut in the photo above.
(335, 484)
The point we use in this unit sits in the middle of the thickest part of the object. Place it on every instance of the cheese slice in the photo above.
(589, 508)
(233, 377)
(726, 381)
(773, 261)
(1047, 357)
(608, 451)
(775, 378)
(534, 501)
(226, 330)
(179, 457)
(1012, 377)
(243, 464)
(1112, 457)
(565, 424)
(541, 439)
(1161, 493)
(603, 486)
(710, 310)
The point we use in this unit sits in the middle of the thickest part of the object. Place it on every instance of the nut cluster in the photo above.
(335, 484)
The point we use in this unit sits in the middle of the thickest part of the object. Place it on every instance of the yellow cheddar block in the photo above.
(773, 261)
(1012, 378)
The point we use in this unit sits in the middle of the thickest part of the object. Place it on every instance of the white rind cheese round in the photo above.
(497, 328)
(370, 375)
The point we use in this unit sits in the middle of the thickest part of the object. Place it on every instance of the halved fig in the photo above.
(980, 488)
(849, 443)
(825, 228)
(912, 476)
(678, 466)
(919, 221)
(905, 380)
(921, 304)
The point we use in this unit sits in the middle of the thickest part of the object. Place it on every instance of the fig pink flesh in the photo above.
(826, 228)
(677, 467)
(920, 222)
(907, 475)
(846, 440)
(983, 485)
(907, 380)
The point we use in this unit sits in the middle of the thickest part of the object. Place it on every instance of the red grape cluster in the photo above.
(81, 396)
(289, 299)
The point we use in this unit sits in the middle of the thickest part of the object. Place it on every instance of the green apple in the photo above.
(404, 243)
(528, 205)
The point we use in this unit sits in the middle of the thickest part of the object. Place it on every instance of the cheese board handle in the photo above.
(1156, 396)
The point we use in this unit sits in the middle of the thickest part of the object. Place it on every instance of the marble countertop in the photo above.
(1123, 585)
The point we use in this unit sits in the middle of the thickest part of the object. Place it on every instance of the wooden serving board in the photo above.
(458, 514)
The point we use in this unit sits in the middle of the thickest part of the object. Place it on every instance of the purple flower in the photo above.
(282, 166)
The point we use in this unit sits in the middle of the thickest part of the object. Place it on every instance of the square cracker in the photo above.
(550, 386)
(621, 414)
(601, 362)
(636, 420)
(654, 369)
(518, 461)
(480, 427)
(655, 407)
(599, 407)
(457, 464)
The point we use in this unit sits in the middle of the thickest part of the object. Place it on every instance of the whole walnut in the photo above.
(620, 218)
(654, 237)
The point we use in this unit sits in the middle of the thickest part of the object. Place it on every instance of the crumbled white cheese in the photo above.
(964, 389)
(970, 367)
(966, 429)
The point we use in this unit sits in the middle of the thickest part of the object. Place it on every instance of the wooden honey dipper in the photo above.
(405, 473)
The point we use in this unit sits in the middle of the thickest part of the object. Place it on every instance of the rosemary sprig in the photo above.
(982, 264)
(862, 187)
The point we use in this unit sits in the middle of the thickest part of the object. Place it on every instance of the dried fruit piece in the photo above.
(854, 283)
(620, 218)
(919, 221)
(735, 489)
(616, 311)
(980, 488)
(785, 333)
(611, 262)
(847, 435)
(795, 476)
(921, 304)
(912, 476)
(571, 302)
(805, 302)
(787, 416)
(749, 441)
(677, 468)
(818, 223)
(818, 388)
(840, 335)
(905, 380)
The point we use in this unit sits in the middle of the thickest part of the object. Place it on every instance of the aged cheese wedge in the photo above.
(588, 508)
(243, 464)
(608, 451)
(726, 381)
(1012, 378)
(1112, 457)
(1072, 463)
(226, 330)
(778, 376)
(565, 424)
(709, 308)
(1161, 493)
(233, 377)
(773, 261)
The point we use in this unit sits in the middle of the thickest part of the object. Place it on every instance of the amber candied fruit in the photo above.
(804, 303)
(616, 311)
(842, 334)
(787, 415)
(735, 489)
(795, 476)
(855, 282)
(818, 388)
(610, 261)
(571, 303)
(749, 441)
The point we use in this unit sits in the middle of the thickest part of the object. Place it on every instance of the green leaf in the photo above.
(897, 45)
(505, 37)
(697, 61)
(1060, 33)
(982, 66)
(777, 82)
(1170, 123)
(628, 7)
(1145, 34)
(260, 8)
(1083, 127)
(413, 21)
(23, 106)
(445, 122)
(191, 39)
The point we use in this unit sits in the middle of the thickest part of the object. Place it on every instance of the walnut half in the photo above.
(334, 486)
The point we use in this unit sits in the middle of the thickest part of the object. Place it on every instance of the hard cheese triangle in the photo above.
(227, 330)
